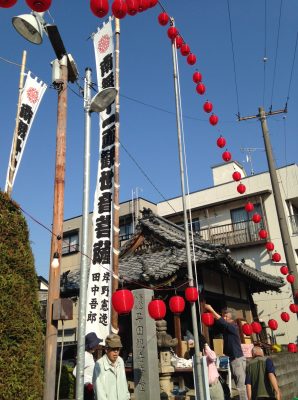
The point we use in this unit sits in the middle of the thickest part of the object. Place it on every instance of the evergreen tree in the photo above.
(20, 324)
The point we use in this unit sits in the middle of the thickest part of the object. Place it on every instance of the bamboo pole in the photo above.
(116, 246)
(11, 166)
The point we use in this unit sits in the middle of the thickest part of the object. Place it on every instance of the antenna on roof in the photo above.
(249, 151)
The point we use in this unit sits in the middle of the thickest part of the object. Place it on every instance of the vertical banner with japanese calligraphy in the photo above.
(98, 311)
(31, 96)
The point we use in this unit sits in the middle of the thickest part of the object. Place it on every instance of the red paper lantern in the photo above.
(241, 188)
(292, 348)
(247, 329)
(291, 278)
(177, 304)
(178, 41)
(273, 325)
(285, 316)
(269, 246)
(276, 257)
(100, 8)
(163, 19)
(185, 49)
(152, 3)
(132, 7)
(256, 327)
(191, 59)
(172, 32)
(201, 89)
(207, 319)
(122, 301)
(249, 207)
(197, 77)
(213, 119)
(256, 218)
(157, 309)
(208, 106)
(263, 234)
(294, 308)
(226, 156)
(191, 294)
(119, 9)
(221, 142)
(7, 3)
(236, 176)
(284, 270)
(39, 5)
(143, 5)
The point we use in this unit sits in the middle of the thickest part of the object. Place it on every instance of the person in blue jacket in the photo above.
(232, 346)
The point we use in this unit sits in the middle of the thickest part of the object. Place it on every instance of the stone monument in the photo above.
(145, 357)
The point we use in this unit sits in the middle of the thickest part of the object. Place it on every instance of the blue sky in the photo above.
(146, 75)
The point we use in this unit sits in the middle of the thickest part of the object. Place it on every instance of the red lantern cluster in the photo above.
(292, 348)
(39, 5)
(157, 309)
(263, 234)
(119, 9)
(221, 142)
(178, 41)
(177, 304)
(284, 270)
(207, 319)
(191, 294)
(247, 329)
(122, 301)
(7, 3)
(208, 106)
(100, 8)
(185, 50)
(293, 308)
(290, 278)
(132, 7)
(226, 156)
(172, 32)
(276, 257)
(249, 207)
(273, 325)
(241, 188)
(285, 316)
(256, 327)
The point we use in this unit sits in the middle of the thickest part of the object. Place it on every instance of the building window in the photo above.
(195, 225)
(126, 227)
(241, 221)
(70, 242)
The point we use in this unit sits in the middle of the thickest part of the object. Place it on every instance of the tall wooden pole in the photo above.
(11, 167)
(116, 245)
(57, 233)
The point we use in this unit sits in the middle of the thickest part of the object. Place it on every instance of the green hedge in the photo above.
(20, 325)
(67, 383)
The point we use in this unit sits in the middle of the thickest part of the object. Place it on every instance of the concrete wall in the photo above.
(287, 374)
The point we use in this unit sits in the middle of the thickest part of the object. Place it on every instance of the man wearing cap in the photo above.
(109, 379)
(91, 344)
(232, 346)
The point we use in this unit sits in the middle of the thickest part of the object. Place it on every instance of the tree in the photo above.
(20, 324)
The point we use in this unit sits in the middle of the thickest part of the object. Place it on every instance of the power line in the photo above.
(292, 70)
(233, 54)
(276, 52)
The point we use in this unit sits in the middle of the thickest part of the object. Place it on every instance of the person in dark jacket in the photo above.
(232, 346)
(261, 382)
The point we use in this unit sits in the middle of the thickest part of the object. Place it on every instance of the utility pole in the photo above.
(57, 234)
(282, 218)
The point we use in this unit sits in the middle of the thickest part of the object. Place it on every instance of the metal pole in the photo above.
(84, 248)
(9, 183)
(116, 245)
(197, 356)
(286, 239)
(57, 233)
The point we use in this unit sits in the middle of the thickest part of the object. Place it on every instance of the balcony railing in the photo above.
(294, 223)
(240, 233)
